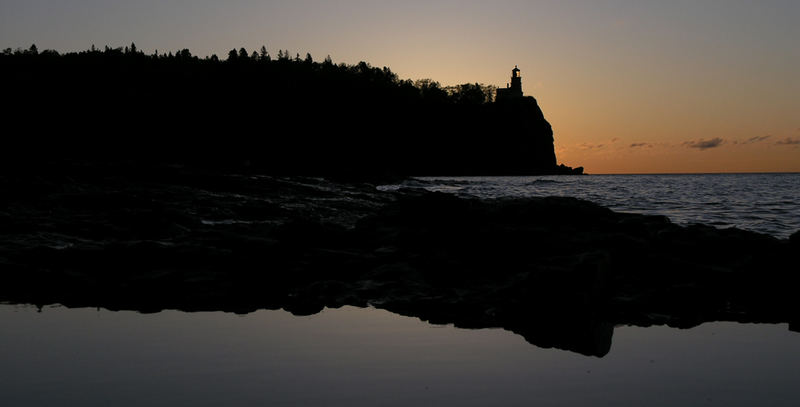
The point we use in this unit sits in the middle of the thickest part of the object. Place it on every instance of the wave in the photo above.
(544, 181)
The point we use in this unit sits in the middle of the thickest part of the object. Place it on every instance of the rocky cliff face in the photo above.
(508, 137)
(531, 133)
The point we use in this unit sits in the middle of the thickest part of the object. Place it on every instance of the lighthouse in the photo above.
(514, 89)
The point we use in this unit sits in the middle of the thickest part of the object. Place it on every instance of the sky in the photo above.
(639, 86)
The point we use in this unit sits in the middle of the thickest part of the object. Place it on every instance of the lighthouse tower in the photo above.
(514, 89)
(516, 82)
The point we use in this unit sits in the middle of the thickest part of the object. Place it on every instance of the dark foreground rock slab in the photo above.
(561, 272)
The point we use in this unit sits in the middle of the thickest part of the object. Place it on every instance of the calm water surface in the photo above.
(765, 203)
(361, 357)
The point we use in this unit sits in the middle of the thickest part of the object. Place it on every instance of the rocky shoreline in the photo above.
(561, 272)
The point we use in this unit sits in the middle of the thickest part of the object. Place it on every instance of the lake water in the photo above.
(765, 203)
(365, 357)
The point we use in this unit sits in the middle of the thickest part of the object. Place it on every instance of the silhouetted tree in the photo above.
(388, 75)
(470, 93)
(490, 91)
(232, 55)
(431, 90)
(243, 54)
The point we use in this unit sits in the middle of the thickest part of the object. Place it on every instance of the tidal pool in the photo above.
(352, 357)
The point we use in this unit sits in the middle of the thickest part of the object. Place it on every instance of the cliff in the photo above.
(285, 116)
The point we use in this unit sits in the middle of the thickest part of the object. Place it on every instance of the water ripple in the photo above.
(766, 203)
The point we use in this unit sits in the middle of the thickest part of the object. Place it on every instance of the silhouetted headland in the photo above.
(559, 271)
(287, 115)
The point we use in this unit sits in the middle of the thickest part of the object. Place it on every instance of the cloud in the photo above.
(587, 146)
(789, 141)
(756, 139)
(635, 145)
(705, 144)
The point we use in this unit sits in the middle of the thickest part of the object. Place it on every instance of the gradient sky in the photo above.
(629, 86)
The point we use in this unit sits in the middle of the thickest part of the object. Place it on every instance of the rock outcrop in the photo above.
(559, 271)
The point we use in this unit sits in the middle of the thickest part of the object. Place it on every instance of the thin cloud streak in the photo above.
(705, 144)
(756, 139)
(789, 141)
(587, 146)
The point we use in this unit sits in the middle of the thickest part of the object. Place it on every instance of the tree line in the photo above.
(429, 89)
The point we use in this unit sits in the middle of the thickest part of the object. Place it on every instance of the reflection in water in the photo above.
(354, 356)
